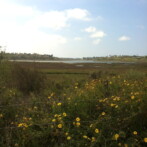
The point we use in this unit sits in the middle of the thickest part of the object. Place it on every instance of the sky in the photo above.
(74, 28)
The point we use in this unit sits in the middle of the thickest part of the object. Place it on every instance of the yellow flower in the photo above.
(145, 139)
(132, 97)
(103, 113)
(112, 105)
(85, 137)
(53, 120)
(22, 125)
(59, 104)
(78, 119)
(97, 131)
(135, 132)
(68, 137)
(78, 124)
(1, 115)
(116, 136)
(59, 126)
(64, 114)
(93, 139)
(91, 126)
(116, 106)
(66, 133)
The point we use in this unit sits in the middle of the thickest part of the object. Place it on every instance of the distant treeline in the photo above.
(119, 58)
(28, 56)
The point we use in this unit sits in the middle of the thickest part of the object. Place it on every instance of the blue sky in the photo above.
(79, 28)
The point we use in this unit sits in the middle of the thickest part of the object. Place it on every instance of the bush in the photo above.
(27, 80)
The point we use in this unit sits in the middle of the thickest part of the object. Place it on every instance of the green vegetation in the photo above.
(65, 105)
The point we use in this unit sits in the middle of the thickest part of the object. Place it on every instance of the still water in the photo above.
(73, 61)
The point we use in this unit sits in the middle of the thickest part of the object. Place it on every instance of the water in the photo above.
(73, 61)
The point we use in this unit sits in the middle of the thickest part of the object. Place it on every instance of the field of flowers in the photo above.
(101, 110)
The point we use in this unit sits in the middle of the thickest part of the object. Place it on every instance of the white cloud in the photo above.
(124, 38)
(20, 27)
(77, 38)
(98, 34)
(59, 19)
(90, 29)
(77, 13)
(97, 41)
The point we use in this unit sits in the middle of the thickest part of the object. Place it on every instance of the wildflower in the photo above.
(145, 139)
(64, 114)
(53, 120)
(59, 104)
(78, 119)
(35, 108)
(116, 106)
(91, 126)
(103, 113)
(132, 97)
(1, 115)
(97, 131)
(78, 124)
(59, 126)
(49, 97)
(110, 82)
(93, 139)
(85, 137)
(112, 105)
(135, 132)
(22, 125)
(66, 133)
(116, 136)
(68, 138)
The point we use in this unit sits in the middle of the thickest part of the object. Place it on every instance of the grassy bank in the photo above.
(56, 104)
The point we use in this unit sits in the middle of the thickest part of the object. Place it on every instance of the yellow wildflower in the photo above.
(93, 139)
(112, 105)
(59, 126)
(116, 136)
(1, 115)
(145, 139)
(135, 132)
(132, 97)
(23, 125)
(78, 119)
(59, 104)
(91, 126)
(85, 137)
(103, 113)
(64, 114)
(97, 131)
(68, 137)
(66, 133)
(53, 120)
(78, 124)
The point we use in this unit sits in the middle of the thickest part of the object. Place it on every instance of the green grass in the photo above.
(43, 105)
